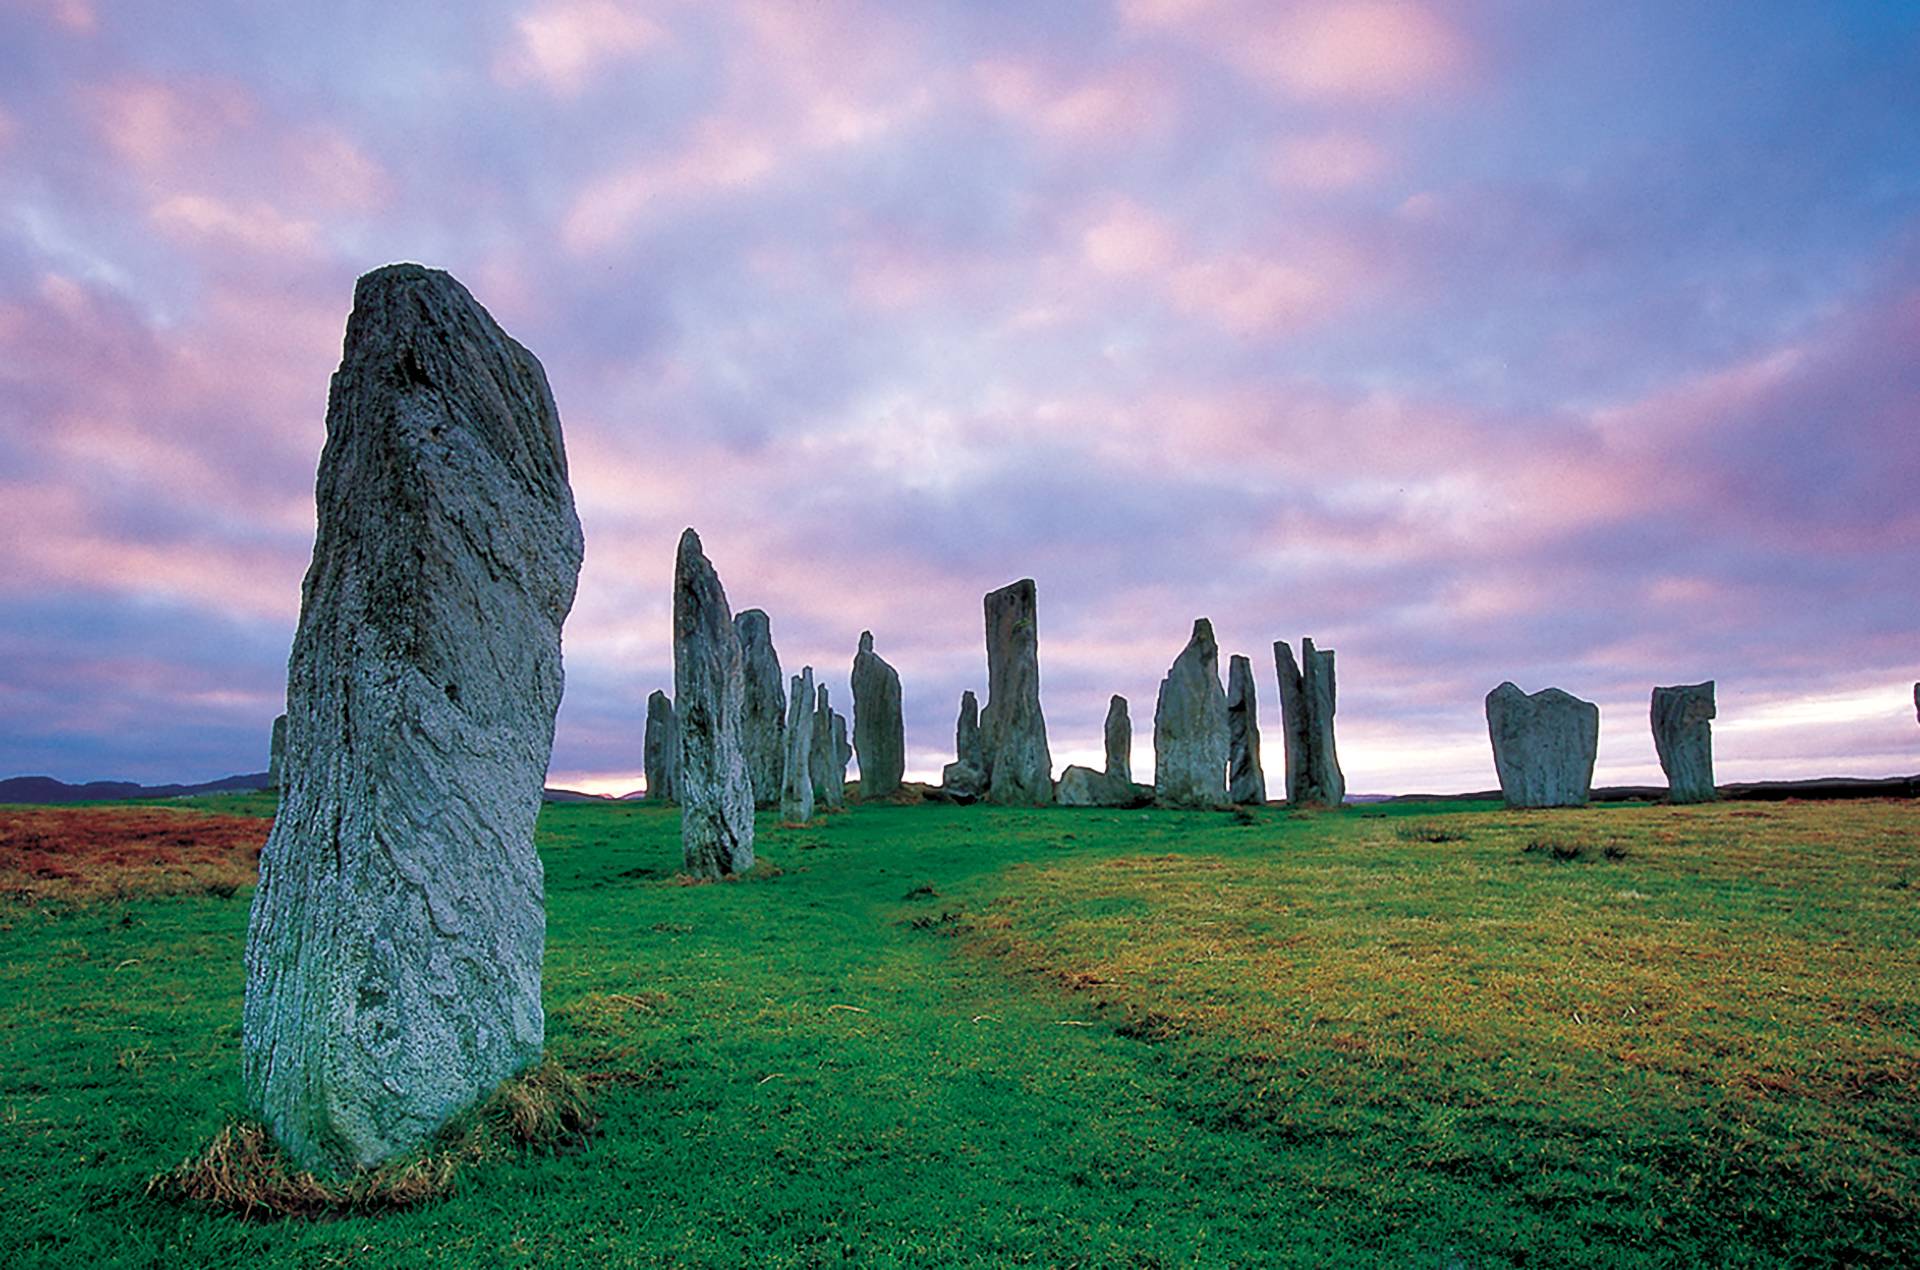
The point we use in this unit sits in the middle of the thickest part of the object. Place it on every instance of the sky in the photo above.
(1572, 344)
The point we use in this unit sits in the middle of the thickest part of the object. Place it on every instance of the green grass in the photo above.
(975, 1036)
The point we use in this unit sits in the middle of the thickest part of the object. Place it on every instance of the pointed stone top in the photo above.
(659, 696)
(1203, 630)
(866, 641)
(690, 541)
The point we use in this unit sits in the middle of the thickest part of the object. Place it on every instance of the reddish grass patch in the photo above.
(90, 853)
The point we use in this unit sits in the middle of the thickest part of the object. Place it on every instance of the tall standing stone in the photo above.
(709, 692)
(1307, 699)
(1190, 727)
(395, 943)
(839, 752)
(1246, 783)
(764, 715)
(660, 751)
(1683, 738)
(828, 767)
(1119, 743)
(1013, 731)
(796, 780)
(879, 733)
(965, 778)
(1544, 745)
(277, 753)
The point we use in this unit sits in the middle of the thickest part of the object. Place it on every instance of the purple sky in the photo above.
(1576, 344)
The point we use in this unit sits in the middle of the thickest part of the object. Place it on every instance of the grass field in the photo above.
(1420, 1035)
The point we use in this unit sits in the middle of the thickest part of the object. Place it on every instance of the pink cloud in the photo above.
(74, 16)
(1342, 50)
(720, 157)
(256, 226)
(1117, 104)
(1326, 162)
(152, 123)
(564, 45)
(1127, 238)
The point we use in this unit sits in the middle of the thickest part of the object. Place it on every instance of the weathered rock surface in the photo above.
(1246, 783)
(1190, 727)
(965, 779)
(660, 749)
(879, 734)
(1083, 787)
(796, 781)
(764, 717)
(829, 763)
(1018, 767)
(1119, 733)
(968, 747)
(709, 695)
(394, 949)
(1683, 738)
(1307, 696)
(1544, 745)
(277, 753)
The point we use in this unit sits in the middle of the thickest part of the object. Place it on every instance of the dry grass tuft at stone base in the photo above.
(243, 1171)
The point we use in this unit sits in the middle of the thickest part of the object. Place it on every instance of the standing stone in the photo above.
(1246, 783)
(1307, 699)
(1683, 738)
(1916, 702)
(1083, 787)
(1119, 743)
(277, 753)
(1544, 745)
(796, 781)
(1190, 727)
(965, 778)
(828, 768)
(709, 691)
(661, 749)
(879, 734)
(840, 752)
(764, 717)
(394, 947)
(1013, 731)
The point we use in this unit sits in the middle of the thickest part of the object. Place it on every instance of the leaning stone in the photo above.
(709, 691)
(1544, 745)
(1307, 700)
(394, 948)
(796, 785)
(1190, 727)
(1683, 738)
(661, 747)
(1119, 732)
(277, 753)
(879, 735)
(764, 715)
(1018, 767)
(1246, 784)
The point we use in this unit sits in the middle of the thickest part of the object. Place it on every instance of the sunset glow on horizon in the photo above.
(1573, 345)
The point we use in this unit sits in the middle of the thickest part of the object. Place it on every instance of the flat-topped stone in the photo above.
(1544, 746)
(1682, 718)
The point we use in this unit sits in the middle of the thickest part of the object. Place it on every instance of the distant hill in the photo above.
(45, 789)
(1740, 791)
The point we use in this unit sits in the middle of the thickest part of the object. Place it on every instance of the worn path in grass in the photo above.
(977, 1036)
